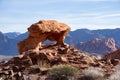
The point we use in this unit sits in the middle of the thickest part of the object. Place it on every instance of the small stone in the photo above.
(84, 62)
(63, 59)
(115, 62)
(34, 69)
(15, 68)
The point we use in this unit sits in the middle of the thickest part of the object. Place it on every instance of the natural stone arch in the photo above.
(41, 31)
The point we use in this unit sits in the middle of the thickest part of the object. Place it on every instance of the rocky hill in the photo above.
(37, 64)
(98, 46)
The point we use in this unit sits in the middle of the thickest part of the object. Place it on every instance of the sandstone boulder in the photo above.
(41, 31)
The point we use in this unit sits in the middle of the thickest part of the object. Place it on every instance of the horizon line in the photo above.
(70, 30)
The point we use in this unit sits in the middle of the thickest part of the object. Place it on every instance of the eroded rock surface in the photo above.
(31, 61)
(113, 55)
(37, 63)
(98, 46)
(41, 31)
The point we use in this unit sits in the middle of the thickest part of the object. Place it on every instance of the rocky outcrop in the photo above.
(113, 55)
(41, 31)
(98, 46)
(31, 62)
(37, 64)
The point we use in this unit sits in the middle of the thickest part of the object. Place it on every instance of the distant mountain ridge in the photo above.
(12, 35)
(7, 46)
(96, 45)
(74, 37)
(84, 35)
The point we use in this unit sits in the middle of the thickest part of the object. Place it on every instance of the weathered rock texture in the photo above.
(41, 31)
(113, 55)
(101, 46)
(37, 63)
(49, 55)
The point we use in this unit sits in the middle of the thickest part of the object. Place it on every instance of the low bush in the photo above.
(93, 73)
(62, 72)
(43, 65)
(116, 74)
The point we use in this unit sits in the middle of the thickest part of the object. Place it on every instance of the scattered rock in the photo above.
(15, 68)
(33, 62)
(34, 69)
(115, 62)
(63, 59)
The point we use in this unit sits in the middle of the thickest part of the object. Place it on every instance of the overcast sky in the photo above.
(18, 15)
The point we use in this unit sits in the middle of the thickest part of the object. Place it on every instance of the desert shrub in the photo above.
(116, 74)
(62, 72)
(43, 64)
(92, 73)
(117, 68)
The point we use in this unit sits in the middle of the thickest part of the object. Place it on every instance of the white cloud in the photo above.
(109, 15)
(14, 28)
(25, 12)
(94, 27)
